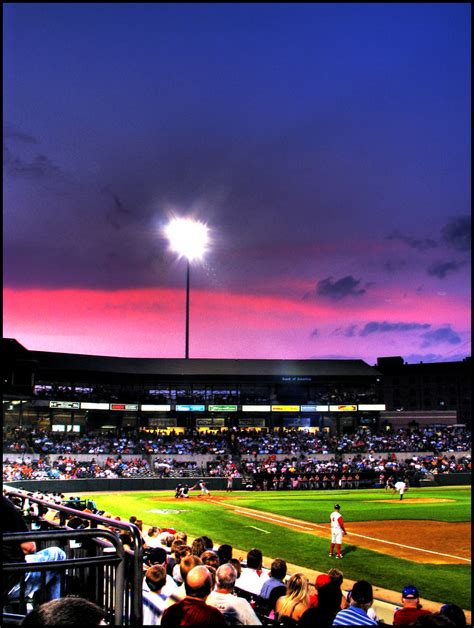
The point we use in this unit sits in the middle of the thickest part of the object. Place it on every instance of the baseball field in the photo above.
(423, 540)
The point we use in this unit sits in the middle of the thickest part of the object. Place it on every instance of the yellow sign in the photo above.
(342, 408)
(285, 408)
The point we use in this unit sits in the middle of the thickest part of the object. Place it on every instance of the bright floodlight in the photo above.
(187, 237)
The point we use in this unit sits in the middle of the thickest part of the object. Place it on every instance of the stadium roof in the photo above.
(46, 360)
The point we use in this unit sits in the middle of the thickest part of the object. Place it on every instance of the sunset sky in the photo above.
(326, 146)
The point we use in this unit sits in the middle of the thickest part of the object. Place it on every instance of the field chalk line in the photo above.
(289, 522)
(261, 529)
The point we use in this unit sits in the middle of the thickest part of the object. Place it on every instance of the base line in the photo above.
(370, 538)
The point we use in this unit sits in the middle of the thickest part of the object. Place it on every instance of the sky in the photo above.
(326, 147)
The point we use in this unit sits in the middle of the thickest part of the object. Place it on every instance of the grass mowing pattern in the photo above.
(440, 583)
(364, 505)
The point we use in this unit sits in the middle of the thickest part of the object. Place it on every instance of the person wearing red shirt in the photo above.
(411, 609)
(193, 610)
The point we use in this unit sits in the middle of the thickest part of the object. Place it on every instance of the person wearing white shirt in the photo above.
(236, 610)
(253, 575)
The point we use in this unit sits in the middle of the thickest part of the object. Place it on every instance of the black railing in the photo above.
(96, 563)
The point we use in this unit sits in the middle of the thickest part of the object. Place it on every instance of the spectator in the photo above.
(158, 556)
(225, 553)
(186, 564)
(328, 604)
(15, 552)
(337, 578)
(236, 610)
(198, 546)
(210, 559)
(361, 600)
(320, 581)
(277, 576)
(154, 601)
(193, 610)
(180, 553)
(411, 608)
(66, 611)
(235, 562)
(455, 613)
(181, 536)
(296, 600)
(152, 537)
(274, 587)
(252, 576)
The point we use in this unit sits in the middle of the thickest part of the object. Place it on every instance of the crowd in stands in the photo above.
(249, 442)
(295, 442)
(301, 467)
(200, 583)
(68, 468)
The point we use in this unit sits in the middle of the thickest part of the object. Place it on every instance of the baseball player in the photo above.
(204, 490)
(337, 531)
(401, 487)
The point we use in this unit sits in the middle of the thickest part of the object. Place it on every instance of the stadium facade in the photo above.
(72, 392)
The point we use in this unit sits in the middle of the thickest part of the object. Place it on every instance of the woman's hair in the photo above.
(235, 562)
(181, 536)
(152, 531)
(296, 593)
(181, 551)
(198, 546)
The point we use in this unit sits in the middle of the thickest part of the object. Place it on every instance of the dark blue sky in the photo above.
(326, 145)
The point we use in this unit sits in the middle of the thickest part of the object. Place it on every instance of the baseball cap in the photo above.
(336, 506)
(322, 579)
(157, 555)
(410, 591)
(362, 592)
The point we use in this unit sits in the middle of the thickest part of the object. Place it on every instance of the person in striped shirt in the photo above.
(361, 600)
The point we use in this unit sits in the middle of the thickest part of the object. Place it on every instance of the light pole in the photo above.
(188, 238)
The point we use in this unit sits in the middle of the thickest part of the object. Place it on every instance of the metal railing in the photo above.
(96, 563)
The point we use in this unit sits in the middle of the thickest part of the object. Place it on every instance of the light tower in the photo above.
(188, 238)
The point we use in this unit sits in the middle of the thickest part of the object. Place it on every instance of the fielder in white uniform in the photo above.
(337, 532)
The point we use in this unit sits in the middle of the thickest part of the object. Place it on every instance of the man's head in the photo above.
(156, 578)
(226, 576)
(410, 595)
(254, 559)
(187, 563)
(157, 556)
(362, 594)
(225, 553)
(278, 569)
(198, 582)
(337, 507)
(66, 611)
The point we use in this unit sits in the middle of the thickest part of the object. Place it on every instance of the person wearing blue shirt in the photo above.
(361, 600)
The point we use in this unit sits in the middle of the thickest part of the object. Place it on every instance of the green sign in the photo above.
(222, 408)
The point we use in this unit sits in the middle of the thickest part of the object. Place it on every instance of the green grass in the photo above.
(365, 505)
(440, 583)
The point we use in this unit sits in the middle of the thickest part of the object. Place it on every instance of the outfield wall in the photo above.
(163, 484)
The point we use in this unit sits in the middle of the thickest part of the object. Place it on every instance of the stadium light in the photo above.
(188, 238)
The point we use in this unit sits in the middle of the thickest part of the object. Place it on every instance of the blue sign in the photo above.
(191, 408)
